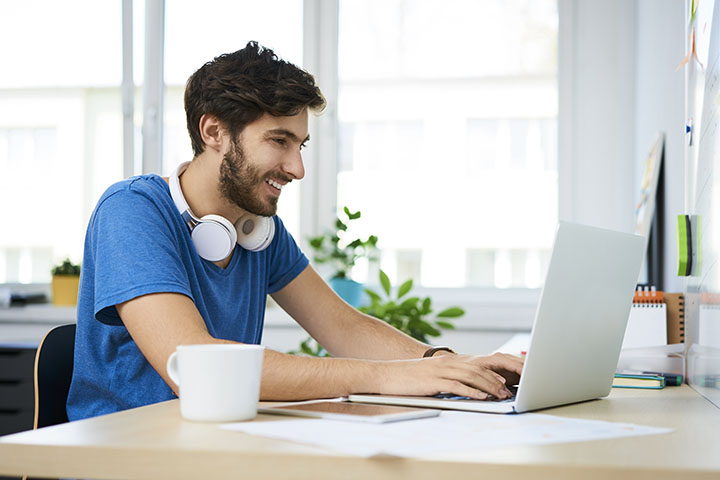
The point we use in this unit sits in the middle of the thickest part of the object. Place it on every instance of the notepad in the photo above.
(647, 325)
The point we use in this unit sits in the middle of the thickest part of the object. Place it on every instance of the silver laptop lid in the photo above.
(581, 316)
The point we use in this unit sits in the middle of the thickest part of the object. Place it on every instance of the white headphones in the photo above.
(214, 236)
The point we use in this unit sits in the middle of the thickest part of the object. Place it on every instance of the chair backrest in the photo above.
(53, 372)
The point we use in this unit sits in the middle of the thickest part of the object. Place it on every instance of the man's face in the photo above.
(262, 160)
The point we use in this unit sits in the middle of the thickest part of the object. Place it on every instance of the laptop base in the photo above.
(434, 402)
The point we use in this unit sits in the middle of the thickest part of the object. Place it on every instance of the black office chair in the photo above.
(53, 372)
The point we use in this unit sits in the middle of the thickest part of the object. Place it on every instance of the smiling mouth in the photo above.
(273, 183)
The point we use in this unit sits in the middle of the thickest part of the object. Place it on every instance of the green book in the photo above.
(631, 380)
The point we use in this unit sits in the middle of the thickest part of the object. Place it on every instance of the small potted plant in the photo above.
(65, 283)
(340, 253)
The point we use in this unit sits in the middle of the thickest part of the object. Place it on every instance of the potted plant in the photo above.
(340, 253)
(407, 314)
(65, 283)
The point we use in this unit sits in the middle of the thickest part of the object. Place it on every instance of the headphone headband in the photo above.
(178, 197)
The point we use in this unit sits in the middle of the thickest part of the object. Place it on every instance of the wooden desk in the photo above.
(154, 442)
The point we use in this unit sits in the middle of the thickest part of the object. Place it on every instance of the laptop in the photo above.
(578, 329)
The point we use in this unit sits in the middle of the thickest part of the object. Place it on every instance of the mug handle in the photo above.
(172, 368)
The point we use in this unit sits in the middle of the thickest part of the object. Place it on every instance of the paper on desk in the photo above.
(451, 431)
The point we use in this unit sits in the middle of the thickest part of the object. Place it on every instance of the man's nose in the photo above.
(294, 166)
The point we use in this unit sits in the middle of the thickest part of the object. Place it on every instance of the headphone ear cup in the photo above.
(255, 233)
(214, 238)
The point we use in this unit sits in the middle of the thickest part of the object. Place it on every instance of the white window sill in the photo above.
(507, 310)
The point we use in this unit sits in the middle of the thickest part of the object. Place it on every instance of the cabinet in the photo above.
(17, 398)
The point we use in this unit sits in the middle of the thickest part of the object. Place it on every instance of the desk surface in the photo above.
(154, 442)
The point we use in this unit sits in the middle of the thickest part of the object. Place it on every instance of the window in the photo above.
(448, 140)
(60, 128)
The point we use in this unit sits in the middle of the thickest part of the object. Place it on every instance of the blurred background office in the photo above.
(462, 129)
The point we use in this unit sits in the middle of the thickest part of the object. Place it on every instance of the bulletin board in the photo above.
(702, 196)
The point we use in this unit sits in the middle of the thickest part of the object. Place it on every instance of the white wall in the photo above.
(618, 87)
(596, 83)
(660, 106)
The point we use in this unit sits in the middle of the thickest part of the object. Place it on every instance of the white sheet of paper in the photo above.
(450, 432)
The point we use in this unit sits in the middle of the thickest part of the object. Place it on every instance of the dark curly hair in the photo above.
(238, 88)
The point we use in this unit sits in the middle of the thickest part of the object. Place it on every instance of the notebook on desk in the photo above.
(578, 329)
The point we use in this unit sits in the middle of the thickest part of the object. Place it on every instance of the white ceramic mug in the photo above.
(217, 382)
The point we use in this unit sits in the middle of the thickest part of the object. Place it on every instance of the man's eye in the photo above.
(280, 141)
(303, 145)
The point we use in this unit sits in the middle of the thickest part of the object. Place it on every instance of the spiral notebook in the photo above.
(656, 318)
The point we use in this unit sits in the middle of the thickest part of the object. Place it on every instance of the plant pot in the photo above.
(65, 289)
(349, 290)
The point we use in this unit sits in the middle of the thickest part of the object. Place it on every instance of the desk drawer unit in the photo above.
(17, 401)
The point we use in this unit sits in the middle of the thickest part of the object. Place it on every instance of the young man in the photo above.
(146, 287)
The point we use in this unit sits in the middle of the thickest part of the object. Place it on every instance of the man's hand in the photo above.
(465, 375)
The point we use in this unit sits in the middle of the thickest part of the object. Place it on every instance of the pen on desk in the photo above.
(671, 379)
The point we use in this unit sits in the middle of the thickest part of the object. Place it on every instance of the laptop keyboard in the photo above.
(490, 398)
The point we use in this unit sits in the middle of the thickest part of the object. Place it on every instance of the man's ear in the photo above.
(212, 131)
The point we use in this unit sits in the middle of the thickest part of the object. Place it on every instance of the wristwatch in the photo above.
(433, 350)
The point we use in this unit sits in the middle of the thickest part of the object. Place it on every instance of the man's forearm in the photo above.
(341, 329)
(289, 377)
(363, 336)
(294, 377)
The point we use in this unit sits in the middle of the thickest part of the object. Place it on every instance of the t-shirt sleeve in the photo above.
(287, 261)
(134, 251)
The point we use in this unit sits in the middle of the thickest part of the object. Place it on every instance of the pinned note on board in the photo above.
(684, 242)
(689, 242)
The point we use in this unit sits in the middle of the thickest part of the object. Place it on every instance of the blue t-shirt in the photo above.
(137, 244)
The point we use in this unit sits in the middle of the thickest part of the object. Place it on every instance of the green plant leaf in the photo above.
(66, 268)
(385, 282)
(405, 288)
(426, 306)
(340, 225)
(445, 325)
(396, 322)
(305, 348)
(317, 242)
(428, 329)
(374, 297)
(451, 312)
(410, 303)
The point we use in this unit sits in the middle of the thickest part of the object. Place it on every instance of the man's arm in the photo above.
(341, 329)
(346, 332)
(160, 322)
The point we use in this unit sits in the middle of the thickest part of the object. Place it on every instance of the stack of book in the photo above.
(646, 380)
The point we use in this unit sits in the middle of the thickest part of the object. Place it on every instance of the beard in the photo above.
(240, 181)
